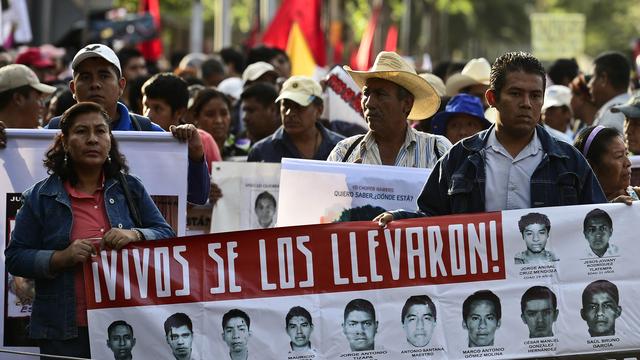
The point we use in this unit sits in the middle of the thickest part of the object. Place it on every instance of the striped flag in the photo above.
(296, 28)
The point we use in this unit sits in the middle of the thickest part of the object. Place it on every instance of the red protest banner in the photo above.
(299, 260)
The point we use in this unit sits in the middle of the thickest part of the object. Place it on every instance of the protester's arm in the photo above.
(198, 180)
(434, 198)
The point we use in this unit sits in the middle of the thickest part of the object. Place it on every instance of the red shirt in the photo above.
(211, 150)
(89, 221)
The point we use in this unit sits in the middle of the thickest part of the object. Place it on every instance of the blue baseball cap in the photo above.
(459, 104)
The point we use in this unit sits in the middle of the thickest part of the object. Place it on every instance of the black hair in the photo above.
(126, 54)
(482, 295)
(59, 163)
(235, 313)
(297, 311)
(514, 62)
(177, 320)
(210, 67)
(538, 293)
(265, 195)
(65, 101)
(360, 305)
(418, 300)
(597, 214)
(264, 93)
(617, 68)
(534, 218)
(169, 88)
(600, 286)
(203, 97)
(599, 143)
(234, 57)
(261, 53)
(135, 93)
(113, 325)
(7, 96)
(360, 213)
(563, 71)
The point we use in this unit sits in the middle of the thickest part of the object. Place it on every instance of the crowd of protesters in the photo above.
(497, 135)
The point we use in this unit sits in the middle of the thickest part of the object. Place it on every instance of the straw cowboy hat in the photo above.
(390, 66)
(475, 72)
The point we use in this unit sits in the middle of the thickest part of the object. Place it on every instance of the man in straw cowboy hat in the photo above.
(472, 80)
(515, 163)
(392, 92)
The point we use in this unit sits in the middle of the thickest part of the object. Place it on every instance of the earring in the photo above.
(108, 159)
(66, 159)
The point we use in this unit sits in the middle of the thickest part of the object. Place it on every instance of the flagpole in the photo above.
(196, 30)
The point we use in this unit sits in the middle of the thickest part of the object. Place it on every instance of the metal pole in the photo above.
(196, 30)
(405, 30)
(222, 26)
(45, 17)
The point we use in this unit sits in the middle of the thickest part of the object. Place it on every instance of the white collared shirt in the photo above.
(606, 118)
(508, 180)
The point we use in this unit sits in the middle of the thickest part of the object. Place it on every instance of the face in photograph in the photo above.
(600, 312)
(180, 339)
(299, 330)
(535, 236)
(539, 316)
(121, 342)
(418, 325)
(360, 329)
(598, 232)
(481, 323)
(265, 211)
(236, 334)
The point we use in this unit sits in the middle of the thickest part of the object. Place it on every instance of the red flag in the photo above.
(364, 58)
(152, 49)
(392, 39)
(306, 13)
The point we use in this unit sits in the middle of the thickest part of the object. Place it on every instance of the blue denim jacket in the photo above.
(43, 225)
(456, 184)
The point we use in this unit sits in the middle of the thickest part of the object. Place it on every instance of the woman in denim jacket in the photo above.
(63, 218)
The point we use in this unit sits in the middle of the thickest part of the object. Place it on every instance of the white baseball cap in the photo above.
(257, 69)
(96, 50)
(556, 95)
(14, 76)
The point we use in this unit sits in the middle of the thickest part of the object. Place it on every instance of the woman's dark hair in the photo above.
(598, 145)
(203, 97)
(55, 157)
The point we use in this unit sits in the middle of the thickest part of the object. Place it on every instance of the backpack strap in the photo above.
(352, 147)
(54, 123)
(140, 123)
(435, 149)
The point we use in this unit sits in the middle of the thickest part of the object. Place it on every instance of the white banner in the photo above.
(342, 99)
(249, 196)
(529, 283)
(317, 192)
(154, 157)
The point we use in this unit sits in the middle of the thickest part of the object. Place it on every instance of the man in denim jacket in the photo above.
(515, 164)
